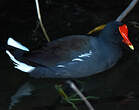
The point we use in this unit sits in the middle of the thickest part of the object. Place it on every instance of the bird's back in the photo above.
(76, 56)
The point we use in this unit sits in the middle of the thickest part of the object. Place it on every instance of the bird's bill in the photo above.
(127, 42)
(132, 47)
(124, 33)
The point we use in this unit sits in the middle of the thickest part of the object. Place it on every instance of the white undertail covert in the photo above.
(18, 64)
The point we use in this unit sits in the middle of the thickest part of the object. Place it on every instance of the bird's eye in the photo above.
(116, 32)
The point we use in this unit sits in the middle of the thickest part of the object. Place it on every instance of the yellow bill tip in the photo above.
(131, 47)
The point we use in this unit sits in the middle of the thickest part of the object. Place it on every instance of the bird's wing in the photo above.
(60, 51)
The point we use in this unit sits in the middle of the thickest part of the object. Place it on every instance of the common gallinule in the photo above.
(73, 56)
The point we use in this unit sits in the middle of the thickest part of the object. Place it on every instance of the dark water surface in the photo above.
(117, 88)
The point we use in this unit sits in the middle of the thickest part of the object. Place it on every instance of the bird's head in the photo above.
(116, 32)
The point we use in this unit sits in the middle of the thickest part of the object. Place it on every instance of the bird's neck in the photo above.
(109, 41)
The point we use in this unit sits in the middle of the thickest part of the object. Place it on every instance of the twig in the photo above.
(127, 10)
(73, 86)
(40, 20)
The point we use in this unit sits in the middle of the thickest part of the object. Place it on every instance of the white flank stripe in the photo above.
(16, 44)
(60, 66)
(20, 65)
(86, 54)
(77, 59)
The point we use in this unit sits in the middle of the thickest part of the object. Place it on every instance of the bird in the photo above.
(73, 56)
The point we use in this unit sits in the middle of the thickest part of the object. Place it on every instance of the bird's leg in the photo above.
(73, 98)
(61, 91)
(73, 86)
(65, 96)
(96, 29)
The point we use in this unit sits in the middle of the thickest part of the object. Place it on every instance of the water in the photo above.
(117, 88)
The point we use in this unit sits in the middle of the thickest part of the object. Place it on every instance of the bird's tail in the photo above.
(13, 43)
(15, 48)
(15, 51)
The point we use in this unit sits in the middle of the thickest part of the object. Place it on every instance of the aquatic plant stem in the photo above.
(73, 86)
(40, 20)
(127, 10)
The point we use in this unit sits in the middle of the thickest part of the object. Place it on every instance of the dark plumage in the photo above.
(73, 56)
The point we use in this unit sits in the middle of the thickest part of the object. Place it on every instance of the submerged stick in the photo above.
(40, 20)
(127, 10)
(73, 86)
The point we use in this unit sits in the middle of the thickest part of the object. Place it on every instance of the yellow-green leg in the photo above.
(73, 98)
(96, 29)
(65, 97)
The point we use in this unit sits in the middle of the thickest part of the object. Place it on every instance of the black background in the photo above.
(118, 87)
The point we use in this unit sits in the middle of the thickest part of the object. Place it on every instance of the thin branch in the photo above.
(40, 20)
(73, 86)
(127, 10)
